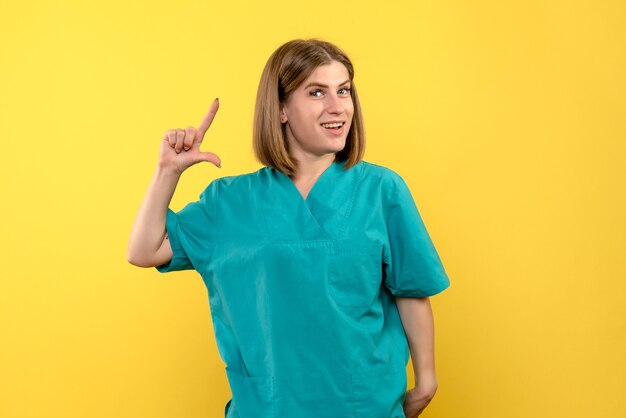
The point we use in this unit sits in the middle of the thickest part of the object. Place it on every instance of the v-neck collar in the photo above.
(290, 217)
(325, 178)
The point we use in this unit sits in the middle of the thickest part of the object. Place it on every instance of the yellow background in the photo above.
(506, 119)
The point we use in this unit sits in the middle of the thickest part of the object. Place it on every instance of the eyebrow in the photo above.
(317, 84)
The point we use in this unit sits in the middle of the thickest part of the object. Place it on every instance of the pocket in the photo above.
(319, 392)
(379, 392)
(355, 273)
(252, 396)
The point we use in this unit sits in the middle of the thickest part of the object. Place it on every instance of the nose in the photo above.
(334, 104)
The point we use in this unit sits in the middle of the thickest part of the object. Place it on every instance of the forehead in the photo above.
(332, 74)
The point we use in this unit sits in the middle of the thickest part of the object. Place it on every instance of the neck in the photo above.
(312, 168)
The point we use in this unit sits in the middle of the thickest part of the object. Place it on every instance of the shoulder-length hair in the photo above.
(288, 67)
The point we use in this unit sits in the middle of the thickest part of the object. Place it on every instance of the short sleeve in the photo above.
(412, 266)
(191, 232)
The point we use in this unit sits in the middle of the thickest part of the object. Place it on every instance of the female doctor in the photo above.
(318, 265)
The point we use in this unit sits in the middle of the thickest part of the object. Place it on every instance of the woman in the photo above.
(318, 265)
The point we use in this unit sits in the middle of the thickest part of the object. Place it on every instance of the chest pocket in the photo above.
(355, 273)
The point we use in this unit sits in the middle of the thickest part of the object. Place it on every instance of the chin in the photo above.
(338, 146)
(331, 150)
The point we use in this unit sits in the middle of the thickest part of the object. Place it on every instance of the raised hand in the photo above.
(180, 148)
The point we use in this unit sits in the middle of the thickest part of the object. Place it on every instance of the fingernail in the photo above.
(219, 165)
(217, 98)
(186, 148)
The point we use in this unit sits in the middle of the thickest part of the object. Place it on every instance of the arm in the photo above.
(148, 244)
(417, 319)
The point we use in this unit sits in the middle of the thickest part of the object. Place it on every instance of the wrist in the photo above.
(426, 380)
(166, 172)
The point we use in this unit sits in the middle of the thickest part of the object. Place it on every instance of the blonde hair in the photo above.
(288, 67)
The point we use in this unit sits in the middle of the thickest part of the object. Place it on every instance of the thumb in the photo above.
(209, 157)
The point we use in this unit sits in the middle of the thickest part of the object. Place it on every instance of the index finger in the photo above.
(208, 119)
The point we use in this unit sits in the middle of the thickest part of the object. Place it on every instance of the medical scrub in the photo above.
(301, 291)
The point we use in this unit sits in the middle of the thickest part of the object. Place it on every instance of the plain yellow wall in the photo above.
(506, 118)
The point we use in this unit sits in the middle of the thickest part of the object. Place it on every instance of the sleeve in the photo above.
(412, 266)
(191, 232)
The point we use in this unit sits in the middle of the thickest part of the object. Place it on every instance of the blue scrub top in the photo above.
(301, 291)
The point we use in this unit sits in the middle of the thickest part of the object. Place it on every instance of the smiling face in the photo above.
(323, 97)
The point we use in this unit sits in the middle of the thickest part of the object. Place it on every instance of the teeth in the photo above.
(332, 125)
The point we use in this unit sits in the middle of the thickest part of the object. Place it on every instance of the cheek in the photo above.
(350, 108)
(351, 115)
(304, 117)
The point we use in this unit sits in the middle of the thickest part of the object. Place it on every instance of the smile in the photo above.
(334, 129)
(332, 125)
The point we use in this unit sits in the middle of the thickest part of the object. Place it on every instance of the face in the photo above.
(323, 97)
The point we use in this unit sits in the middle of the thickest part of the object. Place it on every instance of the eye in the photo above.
(313, 93)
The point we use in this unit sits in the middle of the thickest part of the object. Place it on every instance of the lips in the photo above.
(335, 131)
(332, 125)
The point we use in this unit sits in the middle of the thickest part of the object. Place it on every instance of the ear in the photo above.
(283, 116)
